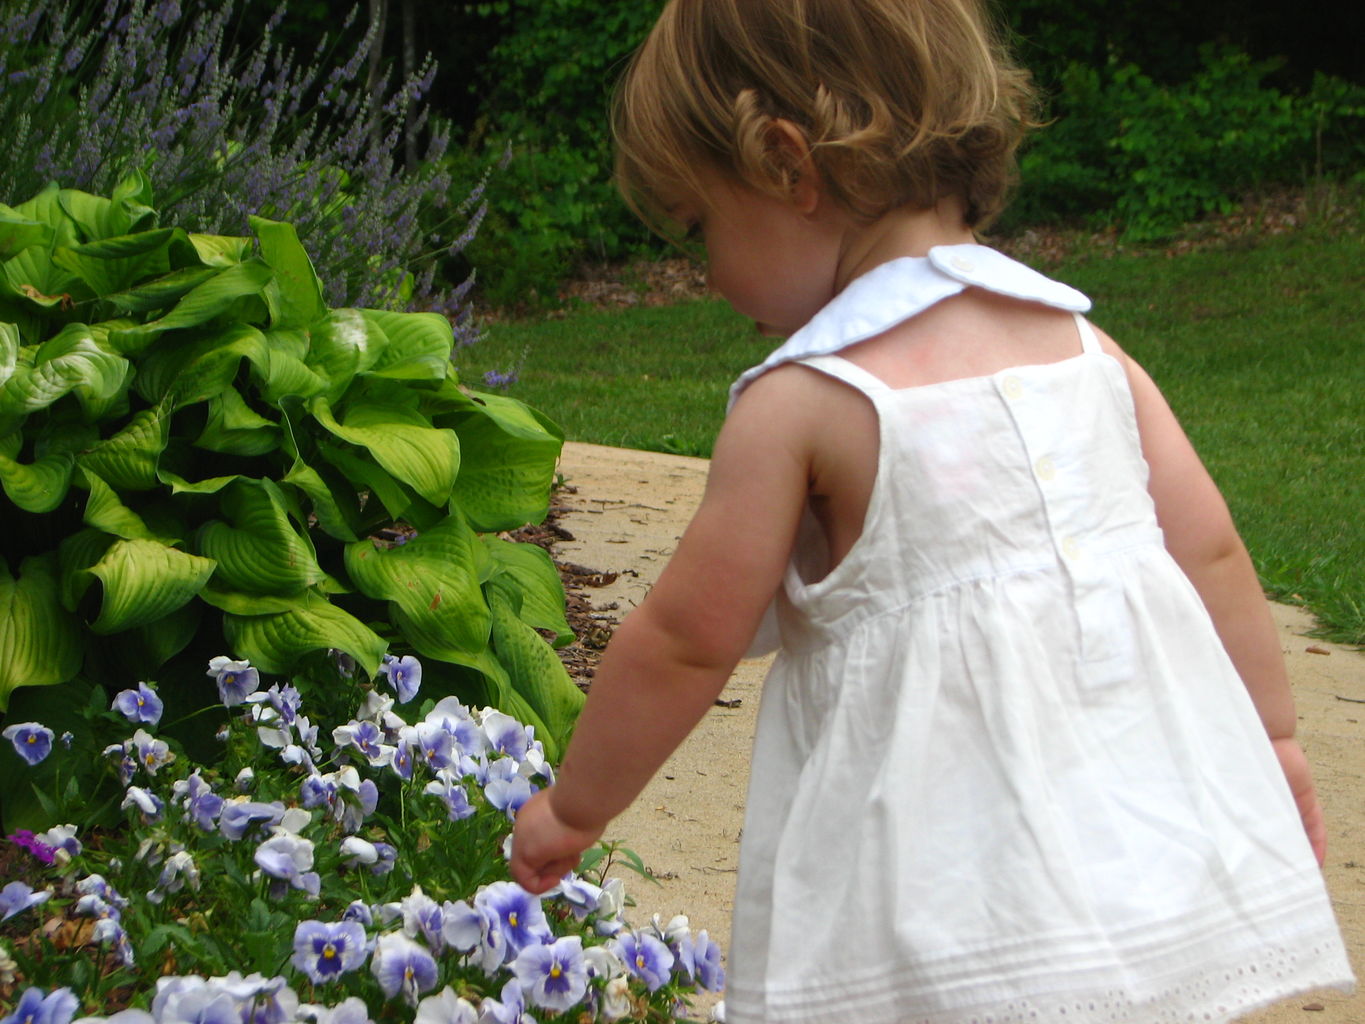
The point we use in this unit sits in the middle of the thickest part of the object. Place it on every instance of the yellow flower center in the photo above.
(555, 971)
(329, 952)
(640, 961)
(141, 702)
(32, 738)
(512, 918)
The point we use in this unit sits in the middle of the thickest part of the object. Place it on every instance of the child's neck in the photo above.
(905, 231)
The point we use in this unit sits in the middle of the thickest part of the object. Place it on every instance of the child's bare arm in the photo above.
(671, 657)
(1203, 540)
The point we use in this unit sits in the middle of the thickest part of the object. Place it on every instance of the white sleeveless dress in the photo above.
(1004, 770)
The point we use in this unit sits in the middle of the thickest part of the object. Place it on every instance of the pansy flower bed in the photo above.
(323, 875)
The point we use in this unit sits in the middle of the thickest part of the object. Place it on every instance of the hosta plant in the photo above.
(196, 452)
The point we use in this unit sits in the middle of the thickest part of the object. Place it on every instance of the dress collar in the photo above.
(892, 292)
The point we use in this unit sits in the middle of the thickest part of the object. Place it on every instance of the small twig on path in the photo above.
(1349, 700)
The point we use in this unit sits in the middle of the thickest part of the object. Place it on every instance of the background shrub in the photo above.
(544, 93)
(1128, 151)
(228, 128)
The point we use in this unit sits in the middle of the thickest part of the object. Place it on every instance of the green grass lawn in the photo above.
(1258, 347)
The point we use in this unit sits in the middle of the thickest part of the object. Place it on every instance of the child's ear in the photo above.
(791, 152)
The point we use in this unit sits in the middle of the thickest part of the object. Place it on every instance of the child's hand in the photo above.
(545, 849)
(1295, 767)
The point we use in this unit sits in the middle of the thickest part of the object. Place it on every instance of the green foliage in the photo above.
(1148, 157)
(196, 453)
(545, 91)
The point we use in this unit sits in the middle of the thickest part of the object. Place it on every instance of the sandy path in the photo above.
(628, 513)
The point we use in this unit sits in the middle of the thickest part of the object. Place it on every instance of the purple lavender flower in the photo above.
(505, 734)
(645, 957)
(359, 911)
(506, 789)
(18, 897)
(446, 1008)
(150, 806)
(60, 842)
(380, 858)
(151, 754)
(195, 999)
(324, 952)
(57, 1007)
(401, 965)
(582, 897)
(199, 800)
(288, 858)
(178, 871)
(518, 914)
(706, 953)
(236, 680)
(509, 1008)
(141, 705)
(452, 794)
(435, 745)
(502, 381)
(32, 741)
(554, 975)
(237, 817)
(27, 841)
(404, 675)
(475, 930)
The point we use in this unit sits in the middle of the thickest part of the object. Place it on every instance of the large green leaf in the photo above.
(221, 250)
(234, 428)
(295, 295)
(331, 515)
(128, 460)
(275, 642)
(31, 272)
(145, 580)
(258, 549)
(76, 554)
(127, 210)
(433, 579)
(111, 265)
(527, 573)
(9, 351)
(106, 513)
(401, 440)
(535, 671)
(156, 294)
(508, 464)
(40, 641)
(418, 346)
(215, 296)
(73, 361)
(367, 475)
(18, 233)
(344, 343)
(38, 486)
(193, 369)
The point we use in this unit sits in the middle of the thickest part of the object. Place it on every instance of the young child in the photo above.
(1026, 753)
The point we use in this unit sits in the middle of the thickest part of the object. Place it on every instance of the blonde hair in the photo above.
(901, 102)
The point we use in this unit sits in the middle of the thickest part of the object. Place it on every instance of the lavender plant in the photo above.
(94, 90)
(317, 875)
(195, 451)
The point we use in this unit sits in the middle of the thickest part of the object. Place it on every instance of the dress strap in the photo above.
(1090, 342)
(851, 374)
